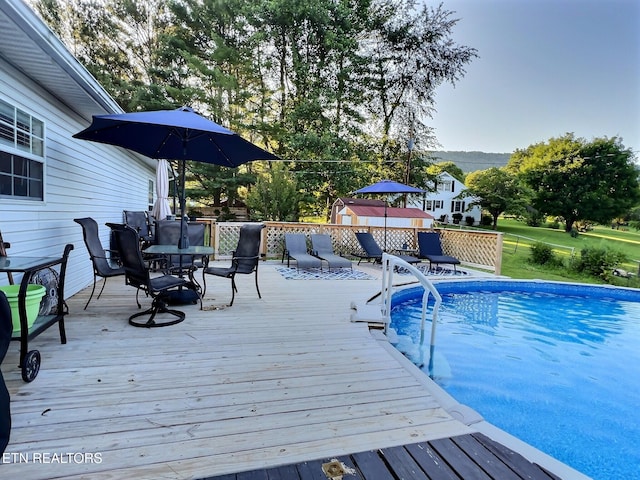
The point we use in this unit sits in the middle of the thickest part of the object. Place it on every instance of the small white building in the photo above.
(374, 216)
(443, 201)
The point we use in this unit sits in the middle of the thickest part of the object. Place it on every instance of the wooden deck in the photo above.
(466, 456)
(264, 383)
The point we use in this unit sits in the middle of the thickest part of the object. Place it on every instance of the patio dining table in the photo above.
(182, 296)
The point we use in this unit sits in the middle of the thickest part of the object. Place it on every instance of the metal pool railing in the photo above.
(390, 265)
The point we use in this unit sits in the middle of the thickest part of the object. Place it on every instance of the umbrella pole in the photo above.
(183, 241)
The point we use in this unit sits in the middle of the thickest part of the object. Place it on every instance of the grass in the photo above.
(519, 237)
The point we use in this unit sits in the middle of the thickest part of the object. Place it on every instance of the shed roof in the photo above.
(361, 201)
(393, 212)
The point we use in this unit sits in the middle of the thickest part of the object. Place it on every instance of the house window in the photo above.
(21, 154)
(431, 205)
(445, 186)
(457, 206)
(150, 198)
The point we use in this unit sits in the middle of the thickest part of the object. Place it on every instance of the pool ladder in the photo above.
(390, 265)
(381, 312)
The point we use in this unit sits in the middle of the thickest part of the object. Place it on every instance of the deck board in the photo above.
(472, 460)
(261, 385)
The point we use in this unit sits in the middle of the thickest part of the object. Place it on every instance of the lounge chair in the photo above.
(322, 248)
(295, 247)
(430, 248)
(372, 250)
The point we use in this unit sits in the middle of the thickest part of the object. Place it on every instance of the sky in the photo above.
(545, 68)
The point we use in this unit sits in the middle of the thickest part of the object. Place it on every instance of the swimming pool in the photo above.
(557, 365)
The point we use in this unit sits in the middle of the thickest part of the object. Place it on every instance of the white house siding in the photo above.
(81, 179)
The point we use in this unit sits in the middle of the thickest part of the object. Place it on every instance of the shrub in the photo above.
(542, 254)
(598, 261)
(486, 220)
(555, 224)
(469, 220)
(533, 219)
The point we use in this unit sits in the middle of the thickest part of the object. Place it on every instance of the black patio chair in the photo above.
(430, 248)
(104, 265)
(137, 274)
(168, 233)
(372, 250)
(322, 247)
(139, 221)
(6, 329)
(295, 248)
(245, 260)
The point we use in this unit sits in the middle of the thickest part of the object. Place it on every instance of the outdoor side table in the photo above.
(29, 266)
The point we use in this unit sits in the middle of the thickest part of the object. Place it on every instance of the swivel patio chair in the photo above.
(102, 259)
(372, 250)
(430, 248)
(322, 248)
(137, 274)
(6, 329)
(295, 248)
(245, 260)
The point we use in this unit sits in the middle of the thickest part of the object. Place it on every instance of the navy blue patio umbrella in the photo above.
(388, 187)
(179, 134)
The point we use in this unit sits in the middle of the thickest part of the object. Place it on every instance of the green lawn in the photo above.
(519, 237)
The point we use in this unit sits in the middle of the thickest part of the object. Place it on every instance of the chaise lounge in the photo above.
(322, 248)
(372, 250)
(295, 248)
(430, 248)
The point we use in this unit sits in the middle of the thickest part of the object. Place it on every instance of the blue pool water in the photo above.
(556, 365)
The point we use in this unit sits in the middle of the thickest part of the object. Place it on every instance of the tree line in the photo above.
(334, 87)
(339, 89)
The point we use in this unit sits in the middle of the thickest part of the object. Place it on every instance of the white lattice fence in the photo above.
(483, 249)
(226, 238)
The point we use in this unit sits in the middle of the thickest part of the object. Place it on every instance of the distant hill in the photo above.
(472, 161)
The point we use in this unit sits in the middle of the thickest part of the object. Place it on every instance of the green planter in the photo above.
(32, 303)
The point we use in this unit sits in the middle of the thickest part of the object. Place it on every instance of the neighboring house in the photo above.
(47, 178)
(443, 201)
(374, 216)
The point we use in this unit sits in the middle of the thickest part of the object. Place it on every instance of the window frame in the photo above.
(22, 154)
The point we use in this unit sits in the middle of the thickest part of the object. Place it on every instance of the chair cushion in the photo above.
(220, 271)
(166, 282)
(442, 259)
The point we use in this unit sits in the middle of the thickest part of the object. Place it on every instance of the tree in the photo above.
(410, 52)
(275, 195)
(577, 180)
(208, 184)
(450, 167)
(496, 191)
